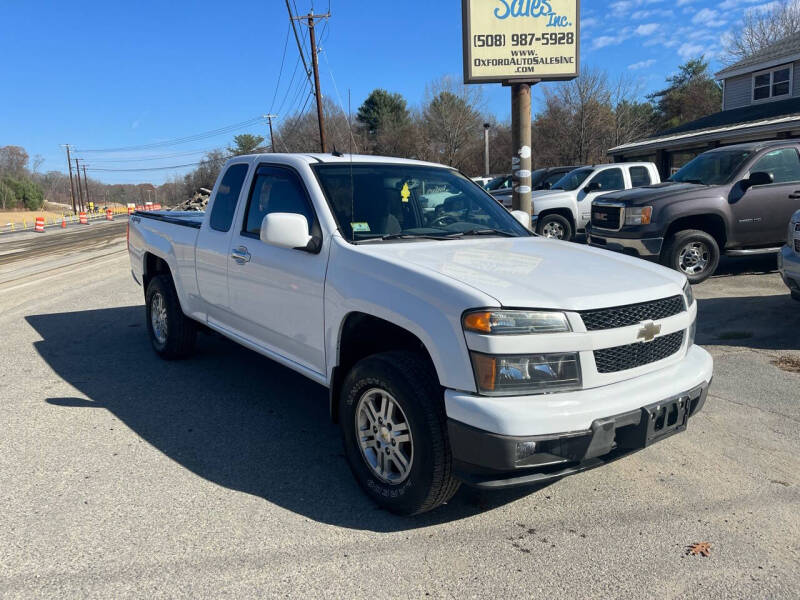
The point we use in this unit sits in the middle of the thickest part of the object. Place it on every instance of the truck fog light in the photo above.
(525, 449)
(526, 373)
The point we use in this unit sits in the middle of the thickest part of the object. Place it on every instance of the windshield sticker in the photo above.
(405, 193)
(359, 227)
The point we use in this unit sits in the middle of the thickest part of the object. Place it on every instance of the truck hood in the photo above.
(537, 272)
(659, 191)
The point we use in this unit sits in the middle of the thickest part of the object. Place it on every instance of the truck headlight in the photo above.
(519, 374)
(515, 322)
(688, 294)
(638, 215)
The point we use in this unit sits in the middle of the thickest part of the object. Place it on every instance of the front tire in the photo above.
(172, 333)
(394, 430)
(694, 253)
(555, 227)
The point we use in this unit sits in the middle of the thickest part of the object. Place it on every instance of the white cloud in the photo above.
(705, 16)
(642, 64)
(588, 22)
(690, 50)
(684, 2)
(647, 29)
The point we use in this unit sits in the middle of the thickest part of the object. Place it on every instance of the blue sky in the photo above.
(113, 74)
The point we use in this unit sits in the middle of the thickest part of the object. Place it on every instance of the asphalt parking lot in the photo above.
(125, 476)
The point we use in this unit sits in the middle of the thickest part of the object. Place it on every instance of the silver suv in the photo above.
(789, 258)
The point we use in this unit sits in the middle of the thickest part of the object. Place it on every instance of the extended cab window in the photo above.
(609, 180)
(275, 190)
(640, 176)
(783, 165)
(227, 197)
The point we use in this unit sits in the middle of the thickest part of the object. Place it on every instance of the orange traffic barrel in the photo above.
(109, 215)
(84, 219)
(39, 225)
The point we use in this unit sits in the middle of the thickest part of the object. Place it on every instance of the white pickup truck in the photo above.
(457, 346)
(565, 209)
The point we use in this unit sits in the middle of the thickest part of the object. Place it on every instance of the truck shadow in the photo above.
(746, 265)
(228, 414)
(757, 322)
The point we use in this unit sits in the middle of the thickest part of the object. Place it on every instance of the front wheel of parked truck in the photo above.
(172, 333)
(395, 432)
(693, 252)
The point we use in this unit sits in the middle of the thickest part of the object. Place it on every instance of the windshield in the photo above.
(572, 180)
(712, 168)
(499, 183)
(407, 201)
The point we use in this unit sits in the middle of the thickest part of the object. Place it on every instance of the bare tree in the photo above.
(451, 122)
(760, 27)
(13, 160)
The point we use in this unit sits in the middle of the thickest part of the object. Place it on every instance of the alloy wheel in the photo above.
(158, 317)
(694, 258)
(384, 436)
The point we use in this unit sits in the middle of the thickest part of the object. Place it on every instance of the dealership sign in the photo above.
(520, 40)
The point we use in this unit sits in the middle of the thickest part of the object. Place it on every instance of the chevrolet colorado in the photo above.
(735, 200)
(456, 345)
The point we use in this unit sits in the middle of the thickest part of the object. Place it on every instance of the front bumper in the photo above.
(641, 247)
(490, 437)
(486, 460)
(789, 268)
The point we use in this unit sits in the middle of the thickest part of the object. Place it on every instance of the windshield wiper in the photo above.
(697, 181)
(483, 232)
(405, 236)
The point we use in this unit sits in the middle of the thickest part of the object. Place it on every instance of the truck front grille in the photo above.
(797, 238)
(630, 356)
(607, 217)
(631, 314)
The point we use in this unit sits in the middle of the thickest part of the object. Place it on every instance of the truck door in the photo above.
(276, 294)
(762, 214)
(214, 239)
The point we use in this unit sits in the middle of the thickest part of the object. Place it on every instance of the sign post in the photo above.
(520, 43)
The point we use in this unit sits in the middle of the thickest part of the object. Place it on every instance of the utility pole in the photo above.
(86, 184)
(315, 66)
(71, 184)
(521, 134)
(486, 127)
(271, 136)
(80, 189)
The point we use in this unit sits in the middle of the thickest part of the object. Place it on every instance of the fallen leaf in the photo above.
(700, 548)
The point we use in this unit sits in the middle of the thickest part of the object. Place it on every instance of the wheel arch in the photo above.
(361, 335)
(564, 212)
(712, 223)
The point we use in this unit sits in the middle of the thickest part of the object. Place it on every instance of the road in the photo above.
(125, 476)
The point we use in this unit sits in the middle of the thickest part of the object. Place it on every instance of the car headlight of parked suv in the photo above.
(638, 215)
(518, 374)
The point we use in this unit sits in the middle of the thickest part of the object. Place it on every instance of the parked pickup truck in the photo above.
(564, 210)
(541, 179)
(735, 199)
(456, 345)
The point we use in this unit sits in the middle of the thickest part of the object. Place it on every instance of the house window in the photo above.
(774, 83)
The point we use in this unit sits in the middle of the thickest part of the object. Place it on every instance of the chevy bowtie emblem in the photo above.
(649, 331)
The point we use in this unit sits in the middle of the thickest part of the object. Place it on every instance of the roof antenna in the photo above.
(335, 152)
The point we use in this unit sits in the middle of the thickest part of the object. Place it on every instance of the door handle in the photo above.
(240, 255)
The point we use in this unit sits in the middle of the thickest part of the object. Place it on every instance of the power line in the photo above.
(297, 39)
(146, 168)
(280, 72)
(150, 157)
(177, 141)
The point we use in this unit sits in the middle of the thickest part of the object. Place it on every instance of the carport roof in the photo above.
(769, 115)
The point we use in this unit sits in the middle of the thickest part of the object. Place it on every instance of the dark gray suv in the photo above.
(735, 200)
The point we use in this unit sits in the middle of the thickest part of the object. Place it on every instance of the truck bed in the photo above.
(190, 218)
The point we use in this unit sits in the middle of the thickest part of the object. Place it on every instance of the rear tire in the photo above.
(421, 477)
(172, 333)
(555, 226)
(693, 252)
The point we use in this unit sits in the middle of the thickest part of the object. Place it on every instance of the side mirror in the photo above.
(593, 186)
(285, 230)
(546, 185)
(758, 178)
(523, 218)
